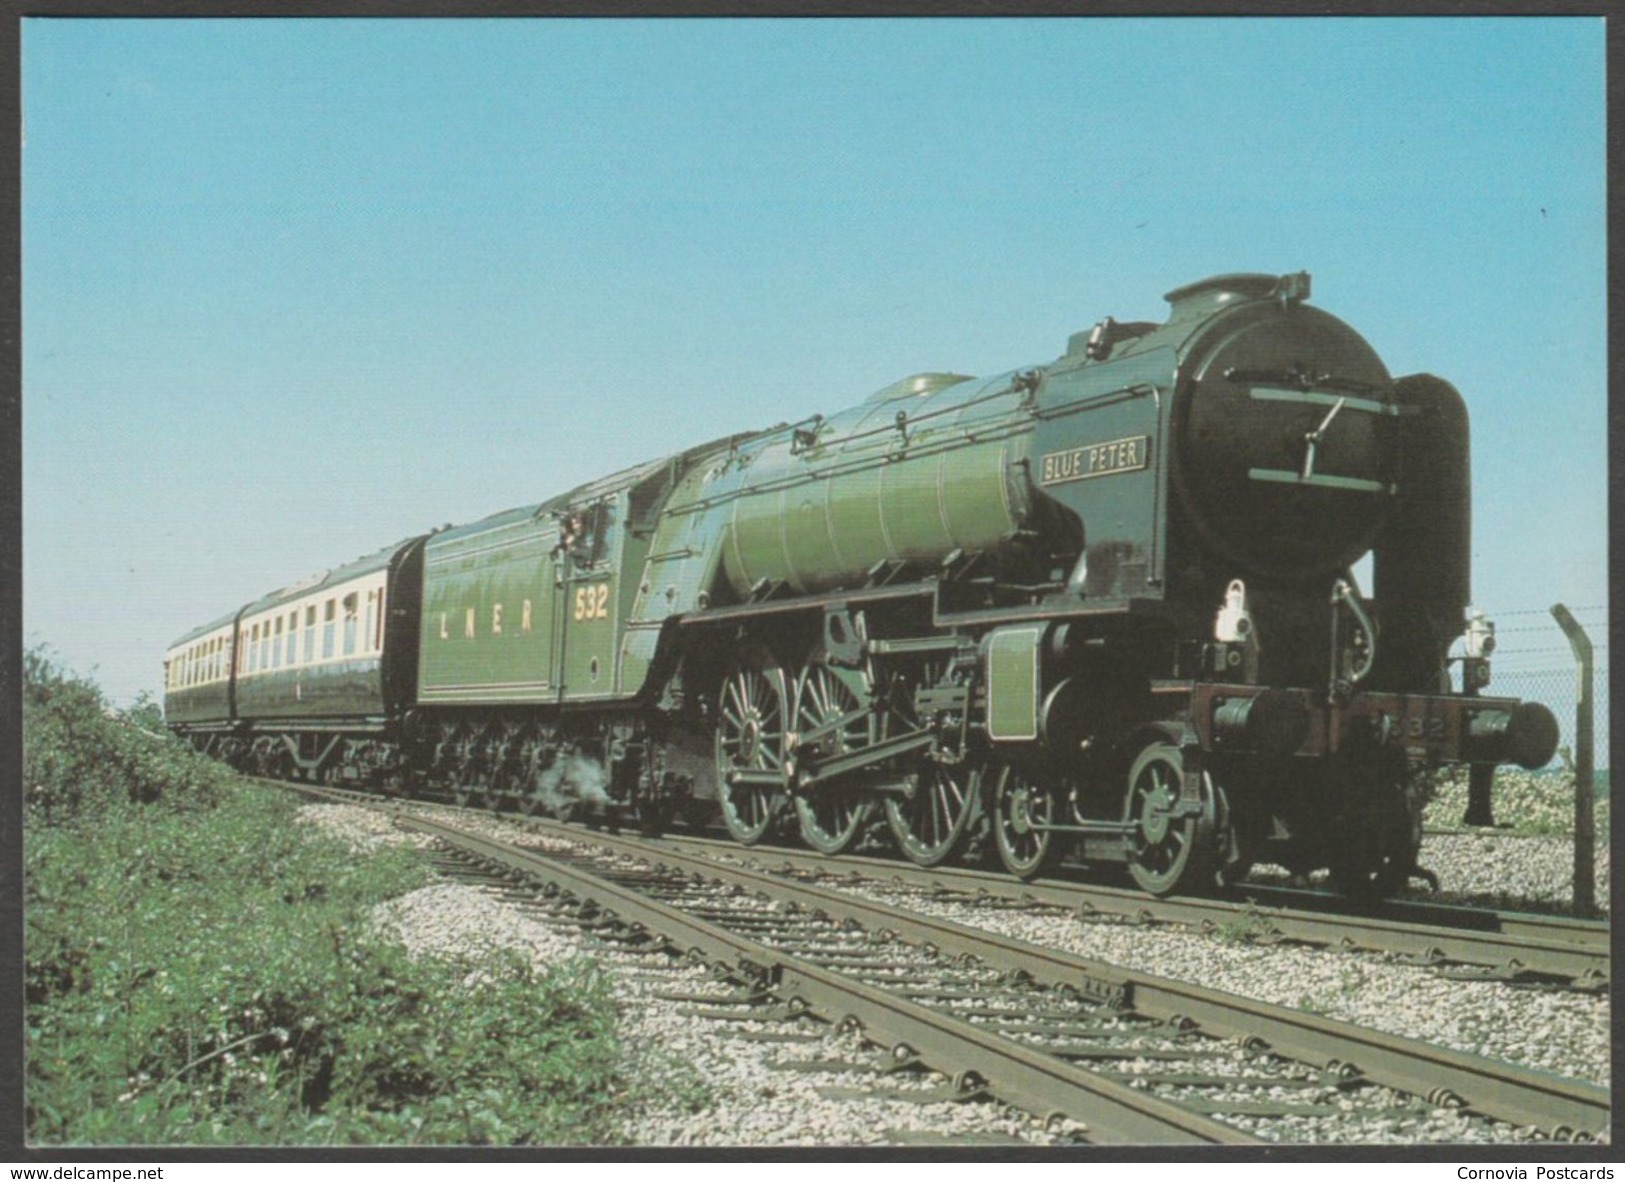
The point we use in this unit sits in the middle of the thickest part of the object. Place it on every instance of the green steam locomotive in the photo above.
(1101, 608)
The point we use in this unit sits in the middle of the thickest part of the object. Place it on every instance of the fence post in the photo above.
(1585, 789)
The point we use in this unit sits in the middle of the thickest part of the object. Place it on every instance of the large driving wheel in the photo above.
(832, 813)
(751, 717)
(1168, 853)
(1021, 806)
(931, 819)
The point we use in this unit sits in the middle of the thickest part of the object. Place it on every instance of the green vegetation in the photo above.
(1244, 929)
(201, 971)
(1536, 803)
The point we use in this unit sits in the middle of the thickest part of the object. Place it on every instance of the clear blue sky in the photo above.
(294, 289)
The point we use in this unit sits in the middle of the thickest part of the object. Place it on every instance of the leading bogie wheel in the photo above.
(1169, 852)
(1022, 807)
(751, 724)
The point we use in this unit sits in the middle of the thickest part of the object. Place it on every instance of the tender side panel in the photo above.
(492, 621)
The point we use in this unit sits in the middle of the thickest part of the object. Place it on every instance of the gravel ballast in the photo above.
(730, 1090)
(751, 1102)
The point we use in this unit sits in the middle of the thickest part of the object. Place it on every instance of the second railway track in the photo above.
(1516, 947)
(1134, 1057)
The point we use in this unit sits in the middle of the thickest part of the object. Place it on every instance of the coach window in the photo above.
(352, 603)
(329, 619)
(293, 639)
(254, 649)
(265, 644)
(372, 621)
(276, 645)
(378, 631)
(310, 634)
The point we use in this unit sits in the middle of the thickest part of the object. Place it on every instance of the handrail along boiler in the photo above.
(1102, 607)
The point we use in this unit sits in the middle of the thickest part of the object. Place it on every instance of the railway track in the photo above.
(1134, 1057)
(1515, 947)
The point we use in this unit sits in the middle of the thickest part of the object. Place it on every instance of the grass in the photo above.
(199, 971)
(1532, 803)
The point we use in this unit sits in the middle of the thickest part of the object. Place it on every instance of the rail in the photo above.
(1515, 945)
(1059, 990)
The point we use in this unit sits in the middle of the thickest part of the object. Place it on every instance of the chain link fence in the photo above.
(1533, 660)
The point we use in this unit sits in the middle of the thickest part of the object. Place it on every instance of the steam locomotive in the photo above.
(1102, 608)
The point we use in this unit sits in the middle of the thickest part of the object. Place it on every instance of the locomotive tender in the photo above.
(1102, 607)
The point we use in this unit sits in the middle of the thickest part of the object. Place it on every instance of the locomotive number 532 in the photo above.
(592, 602)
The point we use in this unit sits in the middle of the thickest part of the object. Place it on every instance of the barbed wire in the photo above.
(1529, 628)
(1501, 653)
(1548, 671)
(1546, 611)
